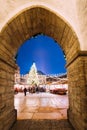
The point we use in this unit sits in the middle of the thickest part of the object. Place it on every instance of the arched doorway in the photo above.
(42, 71)
(21, 27)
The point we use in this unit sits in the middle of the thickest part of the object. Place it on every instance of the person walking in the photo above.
(25, 90)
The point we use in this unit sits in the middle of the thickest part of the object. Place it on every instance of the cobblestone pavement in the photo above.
(41, 111)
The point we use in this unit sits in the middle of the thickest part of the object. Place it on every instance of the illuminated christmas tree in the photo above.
(33, 77)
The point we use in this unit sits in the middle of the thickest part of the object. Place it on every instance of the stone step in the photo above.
(42, 125)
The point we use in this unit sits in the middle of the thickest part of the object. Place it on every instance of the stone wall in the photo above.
(77, 75)
(7, 111)
(73, 11)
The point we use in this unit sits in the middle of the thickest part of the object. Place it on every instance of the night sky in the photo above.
(45, 52)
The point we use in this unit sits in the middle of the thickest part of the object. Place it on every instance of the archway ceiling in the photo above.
(33, 21)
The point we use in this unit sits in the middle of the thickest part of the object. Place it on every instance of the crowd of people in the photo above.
(37, 89)
(33, 89)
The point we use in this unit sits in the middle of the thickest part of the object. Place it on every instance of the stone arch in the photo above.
(20, 28)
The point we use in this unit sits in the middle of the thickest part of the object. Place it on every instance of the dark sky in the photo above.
(45, 52)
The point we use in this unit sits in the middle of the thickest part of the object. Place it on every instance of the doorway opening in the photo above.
(41, 70)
